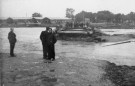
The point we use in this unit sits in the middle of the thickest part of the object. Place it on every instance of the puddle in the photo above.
(69, 73)
(52, 70)
(24, 62)
(48, 79)
(60, 62)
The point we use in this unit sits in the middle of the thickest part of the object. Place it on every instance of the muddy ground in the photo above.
(28, 70)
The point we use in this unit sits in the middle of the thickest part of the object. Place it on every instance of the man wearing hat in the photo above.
(12, 41)
(44, 38)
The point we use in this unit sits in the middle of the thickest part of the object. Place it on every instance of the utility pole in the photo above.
(26, 14)
(26, 20)
(83, 19)
(73, 21)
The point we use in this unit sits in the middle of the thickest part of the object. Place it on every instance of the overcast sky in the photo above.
(57, 8)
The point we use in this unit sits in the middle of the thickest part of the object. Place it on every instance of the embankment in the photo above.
(120, 75)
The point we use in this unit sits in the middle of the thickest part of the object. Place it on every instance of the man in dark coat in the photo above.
(51, 44)
(43, 38)
(12, 41)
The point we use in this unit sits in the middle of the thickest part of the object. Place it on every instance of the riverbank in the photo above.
(31, 70)
(103, 38)
(118, 37)
(121, 75)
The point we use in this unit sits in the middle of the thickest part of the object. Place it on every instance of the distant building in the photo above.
(60, 20)
(40, 20)
(46, 21)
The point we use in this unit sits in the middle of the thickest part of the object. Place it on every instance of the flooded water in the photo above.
(28, 41)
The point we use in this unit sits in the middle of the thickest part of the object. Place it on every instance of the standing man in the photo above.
(12, 41)
(43, 38)
(51, 45)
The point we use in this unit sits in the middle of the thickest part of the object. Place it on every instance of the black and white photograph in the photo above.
(67, 42)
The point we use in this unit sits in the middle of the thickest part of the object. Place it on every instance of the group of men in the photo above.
(47, 38)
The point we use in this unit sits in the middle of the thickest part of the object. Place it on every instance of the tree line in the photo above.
(101, 16)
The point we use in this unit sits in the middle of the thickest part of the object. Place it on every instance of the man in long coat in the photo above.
(51, 44)
(12, 41)
(43, 38)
